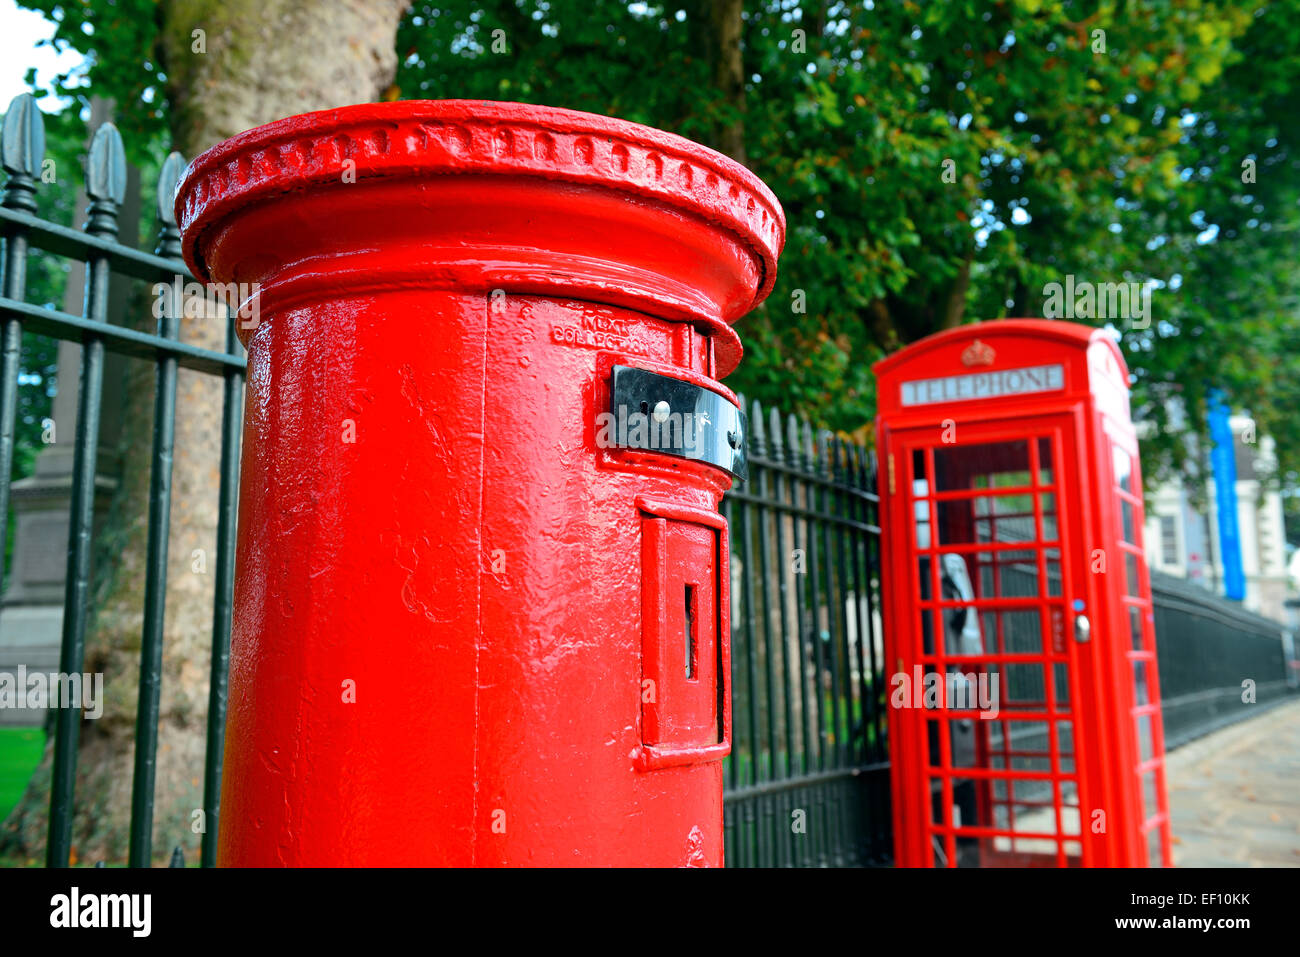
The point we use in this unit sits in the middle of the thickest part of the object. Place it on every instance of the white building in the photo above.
(1185, 542)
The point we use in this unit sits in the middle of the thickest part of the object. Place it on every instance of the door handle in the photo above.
(1082, 628)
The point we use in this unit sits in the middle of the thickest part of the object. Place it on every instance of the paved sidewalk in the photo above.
(1234, 795)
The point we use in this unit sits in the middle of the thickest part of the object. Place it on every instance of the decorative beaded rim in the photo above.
(422, 137)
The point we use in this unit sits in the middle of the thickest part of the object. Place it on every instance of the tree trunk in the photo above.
(955, 309)
(266, 59)
(727, 25)
(231, 65)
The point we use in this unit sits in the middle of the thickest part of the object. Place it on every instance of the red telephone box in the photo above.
(1029, 734)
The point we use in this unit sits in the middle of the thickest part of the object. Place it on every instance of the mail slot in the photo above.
(686, 689)
(481, 599)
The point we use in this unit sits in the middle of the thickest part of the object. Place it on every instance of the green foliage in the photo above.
(118, 39)
(1095, 139)
(20, 752)
(938, 163)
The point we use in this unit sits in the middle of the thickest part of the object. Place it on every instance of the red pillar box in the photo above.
(1016, 588)
(481, 605)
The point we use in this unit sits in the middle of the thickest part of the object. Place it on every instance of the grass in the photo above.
(20, 752)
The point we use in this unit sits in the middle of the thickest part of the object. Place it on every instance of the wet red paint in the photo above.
(438, 654)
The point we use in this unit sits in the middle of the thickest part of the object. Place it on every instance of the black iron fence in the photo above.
(99, 334)
(807, 783)
(1218, 663)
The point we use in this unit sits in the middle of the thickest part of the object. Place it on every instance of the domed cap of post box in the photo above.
(477, 196)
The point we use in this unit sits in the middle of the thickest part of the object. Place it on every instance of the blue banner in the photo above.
(1223, 464)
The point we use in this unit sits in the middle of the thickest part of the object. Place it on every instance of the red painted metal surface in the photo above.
(448, 599)
(1011, 490)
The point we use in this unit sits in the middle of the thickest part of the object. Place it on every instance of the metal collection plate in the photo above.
(657, 413)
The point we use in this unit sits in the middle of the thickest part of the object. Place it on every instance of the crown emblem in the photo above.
(978, 354)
